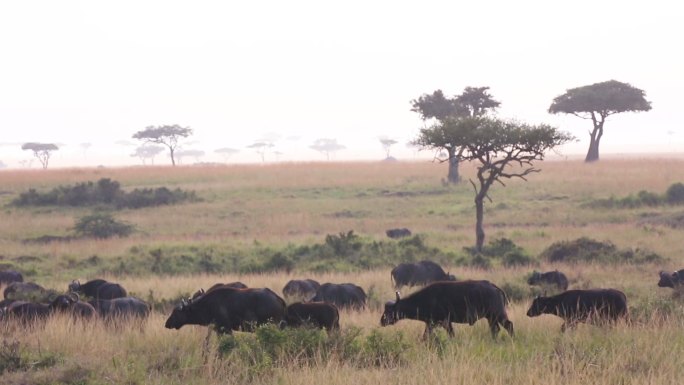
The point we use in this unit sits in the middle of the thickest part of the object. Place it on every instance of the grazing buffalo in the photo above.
(441, 303)
(28, 312)
(234, 285)
(229, 309)
(317, 314)
(121, 308)
(550, 278)
(573, 306)
(398, 233)
(70, 304)
(98, 289)
(9, 276)
(27, 291)
(419, 273)
(672, 280)
(303, 289)
(343, 295)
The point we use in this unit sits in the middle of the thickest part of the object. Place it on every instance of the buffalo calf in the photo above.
(550, 278)
(574, 306)
(317, 314)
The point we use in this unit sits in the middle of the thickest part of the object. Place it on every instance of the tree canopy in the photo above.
(167, 135)
(42, 151)
(472, 102)
(326, 146)
(597, 102)
(502, 149)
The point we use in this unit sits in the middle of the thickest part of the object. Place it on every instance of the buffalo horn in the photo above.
(398, 295)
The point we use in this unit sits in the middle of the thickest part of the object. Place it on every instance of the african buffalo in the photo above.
(573, 306)
(419, 273)
(343, 295)
(229, 309)
(672, 280)
(121, 308)
(317, 314)
(9, 276)
(234, 285)
(303, 289)
(28, 312)
(550, 278)
(441, 303)
(98, 289)
(398, 233)
(27, 291)
(71, 304)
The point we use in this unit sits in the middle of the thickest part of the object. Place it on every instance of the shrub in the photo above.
(589, 250)
(675, 194)
(102, 225)
(517, 258)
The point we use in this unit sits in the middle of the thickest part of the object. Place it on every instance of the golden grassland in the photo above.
(301, 203)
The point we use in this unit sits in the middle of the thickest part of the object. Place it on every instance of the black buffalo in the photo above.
(234, 285)
(343, 295)
(419, 273)
(398, 233)
(672, 280)
(121, 308)
(9, 276)
(317, 314)
(550, 278)
(574, 306)
(229, 309)
(442, 303)
(71, 304)
(303, 289)
(27, 291)
(98, 289)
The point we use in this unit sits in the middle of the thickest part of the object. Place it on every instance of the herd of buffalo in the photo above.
(235, 307)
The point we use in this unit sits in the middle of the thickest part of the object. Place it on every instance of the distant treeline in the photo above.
(105, 192)
(673, 196)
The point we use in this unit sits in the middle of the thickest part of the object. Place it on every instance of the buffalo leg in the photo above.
(494, 327)
(449, 328)
(428, 330)
(508, 325)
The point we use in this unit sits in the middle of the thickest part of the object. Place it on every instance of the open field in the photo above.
(274, 207)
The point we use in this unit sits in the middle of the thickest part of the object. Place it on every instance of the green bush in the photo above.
(104, 192)
(588, 250)
(102, 225)
(675, 194)
(517, 258)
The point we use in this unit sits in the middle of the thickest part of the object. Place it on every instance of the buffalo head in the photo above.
(534, 278)
(75, 285)
(390, 315)
(179, 316)
(668, 279)
(539, 306)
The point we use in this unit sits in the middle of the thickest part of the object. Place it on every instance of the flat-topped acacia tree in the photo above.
(42, 151)
(167, 135)
(597, 102)
(502, 149)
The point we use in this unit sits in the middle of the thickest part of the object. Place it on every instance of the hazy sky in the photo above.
(295, 71)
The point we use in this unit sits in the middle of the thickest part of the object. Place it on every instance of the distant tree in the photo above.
(473, 102)
(261, 147)
(387, 144)
(42, 151)
(124, 143)
(147, 152)
(326, 146)
(502, 149)
(226, 152)
(167, 135)
(26, 163)
(197, 154)
(2, 165)
(85, 146)
(597, 102)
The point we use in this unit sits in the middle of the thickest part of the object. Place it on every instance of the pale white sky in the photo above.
(98, 71)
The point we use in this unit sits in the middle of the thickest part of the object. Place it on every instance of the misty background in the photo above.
(89, 74)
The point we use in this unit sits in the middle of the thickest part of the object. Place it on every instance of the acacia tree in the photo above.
(226, 152)
(197, 154)
(502, 149)
(262, 147)
(167, 135)
(147, 152)
(597, 102)
(42, 151)
(473, 102)
(387, 144)
(326, 146)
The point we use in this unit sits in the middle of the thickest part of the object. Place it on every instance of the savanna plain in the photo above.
(266, 224)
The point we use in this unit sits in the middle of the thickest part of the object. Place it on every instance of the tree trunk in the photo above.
(595, 138)
(173, 160)
(453, 176)
(479, 219)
